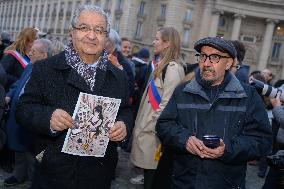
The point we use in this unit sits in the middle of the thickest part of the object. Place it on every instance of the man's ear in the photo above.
(231, 62)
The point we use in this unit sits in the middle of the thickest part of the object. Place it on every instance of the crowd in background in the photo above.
(151, 82)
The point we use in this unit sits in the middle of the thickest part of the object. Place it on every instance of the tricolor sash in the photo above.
(154, 96)
(19, 57)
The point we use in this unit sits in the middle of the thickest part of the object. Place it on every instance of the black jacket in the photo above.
(54, 84)
(12, 68)
(237, 115)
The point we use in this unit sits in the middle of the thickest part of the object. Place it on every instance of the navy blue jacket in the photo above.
(237, 115)
(18, 137)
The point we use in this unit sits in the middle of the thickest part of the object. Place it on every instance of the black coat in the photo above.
(12, 68)
(54, 84)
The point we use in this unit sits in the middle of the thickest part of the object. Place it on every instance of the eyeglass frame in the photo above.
(208, 56)
(90, 28)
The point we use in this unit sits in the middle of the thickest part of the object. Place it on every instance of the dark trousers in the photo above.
(149, 175)
(24, 166)
(163, 175)
(272, 179)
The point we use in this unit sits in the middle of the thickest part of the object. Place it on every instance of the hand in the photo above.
(118, 131)
(214, 153)
(276, 101)
(195, 146)
(113, 60)
(60, 120)
(7, 100)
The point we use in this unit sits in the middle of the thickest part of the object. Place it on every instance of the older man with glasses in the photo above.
(51, 95)
(214, 124)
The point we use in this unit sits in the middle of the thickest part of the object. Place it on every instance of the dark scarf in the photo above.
(213, 91)
(87, 72)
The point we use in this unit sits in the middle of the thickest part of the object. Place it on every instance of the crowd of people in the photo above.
(185, 126)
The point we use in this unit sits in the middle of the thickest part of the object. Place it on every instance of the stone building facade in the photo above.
(259, 24)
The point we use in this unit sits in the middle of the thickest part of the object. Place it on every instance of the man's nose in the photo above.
(207, 62)
(92, 35)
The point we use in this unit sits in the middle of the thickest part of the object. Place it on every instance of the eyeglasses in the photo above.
(213, 58)
(86, 29)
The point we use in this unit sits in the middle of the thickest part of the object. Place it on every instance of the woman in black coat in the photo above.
(16, 55)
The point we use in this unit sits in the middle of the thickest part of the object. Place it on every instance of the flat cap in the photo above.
(217, 43)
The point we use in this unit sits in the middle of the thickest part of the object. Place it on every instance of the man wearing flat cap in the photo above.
(213, 123)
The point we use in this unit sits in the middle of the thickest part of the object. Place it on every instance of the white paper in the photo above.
(93, 117)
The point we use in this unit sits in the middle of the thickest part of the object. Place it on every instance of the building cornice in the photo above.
(248, 8)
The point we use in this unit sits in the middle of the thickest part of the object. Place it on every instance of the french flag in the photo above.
(154, 96)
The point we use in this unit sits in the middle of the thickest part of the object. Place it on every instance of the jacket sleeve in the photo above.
(31, 111)
(3, 77)
(278, 114)
(125, 113)
(169, 130)
(8, 62)
(255, 141)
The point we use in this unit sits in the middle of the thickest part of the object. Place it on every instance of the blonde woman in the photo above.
(15, 59)
(167, 73)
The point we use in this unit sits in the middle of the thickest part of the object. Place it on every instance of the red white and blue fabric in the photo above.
(154, 96)
(19, 57)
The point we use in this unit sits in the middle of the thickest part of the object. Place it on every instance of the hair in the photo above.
(99, 109)
(57, 47)
(90, 8)
(241, 50)
(172, 53)
(46, 46)
(26, 36)
(124, 39)
(115, 39)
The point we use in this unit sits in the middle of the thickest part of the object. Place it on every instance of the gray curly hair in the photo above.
(91, 8)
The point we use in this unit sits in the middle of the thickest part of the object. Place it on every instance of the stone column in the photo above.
(43, 20)
(22, 15)
(12, 18)
(17, 17)
(37, 14)
(266, 44)
(236, 26)
(74, 3)
(64, 16)
(205, 20)
(50, 16)
(57, 16)
(4, 15)
(27, 9)
(214, 22)
(32, 15)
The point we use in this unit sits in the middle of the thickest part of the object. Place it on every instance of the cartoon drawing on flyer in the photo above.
(93, 118)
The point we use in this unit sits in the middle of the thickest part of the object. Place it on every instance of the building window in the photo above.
(116, 25)
(186, 38)
(276, 51)
(188, 15)
(119, 5)
(248, 38)
(222, 21)
(141, 8)
(138, 30)
(163, 11)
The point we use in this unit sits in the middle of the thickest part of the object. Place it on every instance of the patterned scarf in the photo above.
(87, 72)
